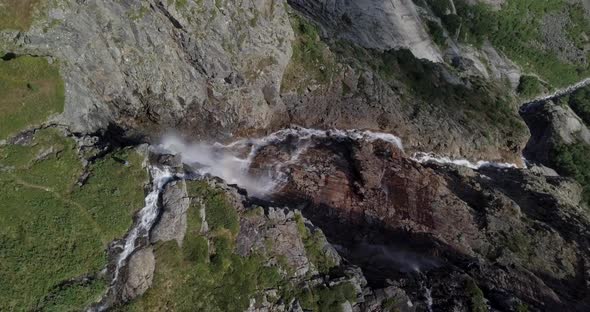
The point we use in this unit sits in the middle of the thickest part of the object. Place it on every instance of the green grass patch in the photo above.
(480, 104)
(477, 300)
(74, 297)
(515, 30)
(572, 160)
(31, 90)
(437, 33)
(312, 60)
(202, 276)
(327, 299)
(529, 86)
(314, 246)
(579, 101)
(579, 27)
(219, 212)
(114, 192)
(52, 230)
(17, 14)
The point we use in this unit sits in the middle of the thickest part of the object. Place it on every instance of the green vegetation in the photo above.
(477, 300)
(515, 30)
(205, 274)
(31, 89)
(73, 297)
(52, 230)
(327, 299)
(529, 86)
(314, 246)
(17, 14)
(390, 305)
(136, 15)
(572, 160)
(220, 213)
(579, 29)
(579, 101)
(518, 243)
(481, 102)
(437, 33)
(522, 307)
(312, 60)
(178, 3)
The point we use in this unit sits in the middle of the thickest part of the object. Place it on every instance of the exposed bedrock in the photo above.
(213, 70)
(551, 125)
(521, 236)
(149, 66)
(382, 25)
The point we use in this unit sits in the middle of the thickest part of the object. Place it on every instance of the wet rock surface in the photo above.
(520, 235)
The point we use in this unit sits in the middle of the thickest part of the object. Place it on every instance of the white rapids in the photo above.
(563, 91)
(146, 216)
(145, 219)
(231, 162)
(426, 157)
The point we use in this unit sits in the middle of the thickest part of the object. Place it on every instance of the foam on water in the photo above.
(426, 157)
(145, 219)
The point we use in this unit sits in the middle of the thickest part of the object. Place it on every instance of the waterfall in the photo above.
(231, 162)
(428, 296)
(144, 221)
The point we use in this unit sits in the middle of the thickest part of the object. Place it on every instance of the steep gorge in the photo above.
(246, 211)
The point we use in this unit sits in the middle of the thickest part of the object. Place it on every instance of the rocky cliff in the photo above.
(274, 155)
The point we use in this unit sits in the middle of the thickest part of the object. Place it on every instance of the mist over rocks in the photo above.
(430, 207)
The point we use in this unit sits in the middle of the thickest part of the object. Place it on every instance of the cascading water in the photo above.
(146, 216)
(428, 296)
(231, 162)
(145, 219)
(425, 157)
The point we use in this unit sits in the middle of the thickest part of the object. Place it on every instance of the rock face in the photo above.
(146, 65)
(381, 25)
(551, 125)
(517, 234)
(141, 273)
(213, 69)
(172, 223)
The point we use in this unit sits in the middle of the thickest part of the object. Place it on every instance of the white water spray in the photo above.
(232, 162)
(561, 92)
(146, 218)
(426, 157)
(428, 296)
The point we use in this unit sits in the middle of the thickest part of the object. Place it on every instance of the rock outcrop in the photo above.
(213, 69)
(381, 25)
(519, 235)
(155, 65)
(551, 125)
(141, 273)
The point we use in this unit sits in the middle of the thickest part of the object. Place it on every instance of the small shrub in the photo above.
(579, 101)
(528, 86)
(437, 33)
(572, 160)
(476, 296)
